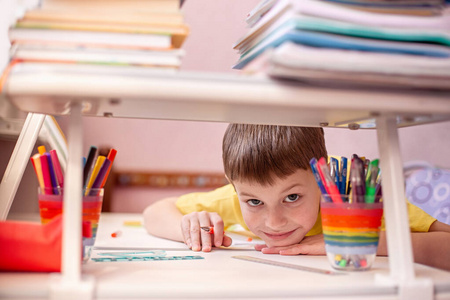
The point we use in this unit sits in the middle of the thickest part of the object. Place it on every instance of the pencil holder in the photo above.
(51, 205)
(351, 232)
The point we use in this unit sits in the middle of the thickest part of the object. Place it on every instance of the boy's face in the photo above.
(283, 213)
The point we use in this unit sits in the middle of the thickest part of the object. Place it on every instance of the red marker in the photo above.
(328, 183)
(209, 229)
(111, 156)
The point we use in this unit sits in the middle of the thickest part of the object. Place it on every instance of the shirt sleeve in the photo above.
(419, 221)
(223, 201)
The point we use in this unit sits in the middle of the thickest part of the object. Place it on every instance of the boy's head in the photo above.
(261, 153)
(269, 168)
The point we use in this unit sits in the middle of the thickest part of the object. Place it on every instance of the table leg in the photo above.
(18, 161)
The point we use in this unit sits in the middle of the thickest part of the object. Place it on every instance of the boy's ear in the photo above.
(228, 179)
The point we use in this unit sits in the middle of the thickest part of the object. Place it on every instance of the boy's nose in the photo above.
(275, 219)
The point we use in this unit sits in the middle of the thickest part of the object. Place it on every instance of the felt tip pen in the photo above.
(334, 171)
(329, 184)
(313, 164)
(357, 182)
(208, 229)
(343, 176)
(371, 181)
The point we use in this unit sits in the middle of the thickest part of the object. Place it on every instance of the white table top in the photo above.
(218, 275)
(141, 93)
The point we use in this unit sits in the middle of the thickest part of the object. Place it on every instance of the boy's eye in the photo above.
(254, 202)
(292, 198)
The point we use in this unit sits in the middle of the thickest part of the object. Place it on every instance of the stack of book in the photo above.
(384, 43)
(113, 33)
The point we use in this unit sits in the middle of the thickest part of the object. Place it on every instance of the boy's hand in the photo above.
(198, 239)
(312, 245)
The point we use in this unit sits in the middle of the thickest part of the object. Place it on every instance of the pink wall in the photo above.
(196, 146)
(176, 145)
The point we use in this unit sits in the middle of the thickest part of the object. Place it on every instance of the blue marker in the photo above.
(313, 164)
(343, 176)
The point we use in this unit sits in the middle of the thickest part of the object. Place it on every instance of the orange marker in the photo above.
(42, 150)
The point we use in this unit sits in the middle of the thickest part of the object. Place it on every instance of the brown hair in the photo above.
(259, 153)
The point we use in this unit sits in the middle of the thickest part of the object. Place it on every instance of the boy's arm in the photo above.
(430, 248)
(163, 219)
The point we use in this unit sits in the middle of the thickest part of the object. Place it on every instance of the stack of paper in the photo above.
(114, 33)
(324, 41)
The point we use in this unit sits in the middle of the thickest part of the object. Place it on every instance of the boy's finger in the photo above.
(218, 230)
(194, 233)
(185, 230)
(227, 241)
(270, 250)
(203, 219)
(206, 240)
(259, 247)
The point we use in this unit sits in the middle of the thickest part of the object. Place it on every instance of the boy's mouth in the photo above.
(279, 235)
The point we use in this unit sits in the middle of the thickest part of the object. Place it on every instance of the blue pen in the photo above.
(313, 164)
(343, 176)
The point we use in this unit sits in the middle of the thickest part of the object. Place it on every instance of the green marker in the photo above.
(371, 181)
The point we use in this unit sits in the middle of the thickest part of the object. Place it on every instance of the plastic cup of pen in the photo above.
(351, 232)
(51, 205)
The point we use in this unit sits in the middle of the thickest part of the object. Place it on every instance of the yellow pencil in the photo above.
(97, 166)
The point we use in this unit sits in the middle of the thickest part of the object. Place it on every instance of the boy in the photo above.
(273, 193)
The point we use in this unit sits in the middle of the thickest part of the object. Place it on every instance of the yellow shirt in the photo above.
(225, 202)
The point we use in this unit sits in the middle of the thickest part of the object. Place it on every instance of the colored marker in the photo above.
(41, 150)
(111, 156)
(330, 186)
(371, 181)
(334, 171)
(57, 167)
(51, 171)
(36, 161)
(343, 173)
(89, 163)
(313, 164)
(100, 176)
(97, 166)
(209, 229)
(358, 191)
(46, 175)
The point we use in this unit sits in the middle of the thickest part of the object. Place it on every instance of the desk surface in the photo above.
(218, 275)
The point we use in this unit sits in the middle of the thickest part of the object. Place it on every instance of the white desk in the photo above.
(110, 92)
(217, 276)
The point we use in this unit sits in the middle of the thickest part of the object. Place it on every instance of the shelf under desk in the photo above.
(139, 93)
(144, 93)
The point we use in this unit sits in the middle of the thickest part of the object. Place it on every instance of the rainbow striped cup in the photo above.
(51, 205)
(351, 233)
